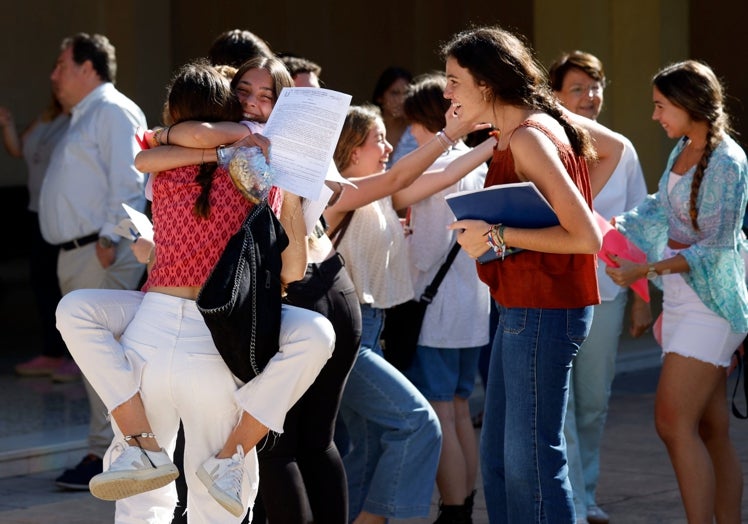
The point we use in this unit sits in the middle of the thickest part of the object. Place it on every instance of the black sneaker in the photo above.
(78, 477)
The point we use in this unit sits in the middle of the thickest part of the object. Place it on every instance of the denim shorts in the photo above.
(441, 374)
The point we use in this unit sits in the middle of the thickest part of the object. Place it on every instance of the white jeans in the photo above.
(167, 354)
(80, 269)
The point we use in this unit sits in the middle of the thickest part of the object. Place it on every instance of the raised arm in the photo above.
(171, 157)
(403, 172)
(11, 140)
(200, 134)
(609, 146)
(432, 182)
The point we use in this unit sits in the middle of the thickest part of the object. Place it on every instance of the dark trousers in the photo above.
(301, 473)
(46, 288)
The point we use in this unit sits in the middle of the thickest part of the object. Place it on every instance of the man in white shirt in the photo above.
(90, 174)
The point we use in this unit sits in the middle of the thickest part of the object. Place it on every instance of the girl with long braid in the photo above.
(691, 232)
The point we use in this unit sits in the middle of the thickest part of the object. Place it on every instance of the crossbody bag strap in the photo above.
(336, 235)
(431, 289)
(742, 374)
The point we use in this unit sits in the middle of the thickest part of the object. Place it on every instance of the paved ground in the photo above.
(637, 485)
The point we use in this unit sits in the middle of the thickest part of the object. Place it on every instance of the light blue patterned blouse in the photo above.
(717, 270)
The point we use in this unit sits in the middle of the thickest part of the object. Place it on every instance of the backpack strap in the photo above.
(431, 289)
(336, 235)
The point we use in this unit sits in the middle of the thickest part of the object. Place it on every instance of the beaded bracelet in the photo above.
(140, 435)
(495, 239)
(168, 130)
(157, 135)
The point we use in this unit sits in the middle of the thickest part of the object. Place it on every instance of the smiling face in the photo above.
(674, 120)
(581, 94)
(471, 100)
(255, 93)
(372, 156)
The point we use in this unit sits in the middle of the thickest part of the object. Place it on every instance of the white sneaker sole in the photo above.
(229, 504)
(116, 485)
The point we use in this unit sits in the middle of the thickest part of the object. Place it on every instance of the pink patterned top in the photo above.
(187, 246)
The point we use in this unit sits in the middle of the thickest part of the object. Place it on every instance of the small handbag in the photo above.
(241, 299)
(402, 323)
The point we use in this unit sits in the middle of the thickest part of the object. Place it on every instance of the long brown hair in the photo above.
(693, 87)
(199, 92)
(505, 64)
(358, 122)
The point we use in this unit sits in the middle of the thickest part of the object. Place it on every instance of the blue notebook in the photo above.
(514, 205)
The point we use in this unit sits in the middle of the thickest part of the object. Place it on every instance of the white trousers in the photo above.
(80, 269)
(167, 354)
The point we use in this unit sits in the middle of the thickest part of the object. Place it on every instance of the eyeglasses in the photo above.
(592, 89)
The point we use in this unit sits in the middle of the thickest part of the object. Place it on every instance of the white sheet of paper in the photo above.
(313, 208)
(125, 229)
(303, 129)
(140, 221)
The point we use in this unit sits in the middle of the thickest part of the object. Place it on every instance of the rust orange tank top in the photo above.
(531, 279)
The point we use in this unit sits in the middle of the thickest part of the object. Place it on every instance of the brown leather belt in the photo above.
(674, 244)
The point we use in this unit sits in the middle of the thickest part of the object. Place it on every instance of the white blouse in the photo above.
(375, 256)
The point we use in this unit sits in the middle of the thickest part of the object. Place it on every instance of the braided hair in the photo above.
(693, 87)
(199, 92)
(505, 64)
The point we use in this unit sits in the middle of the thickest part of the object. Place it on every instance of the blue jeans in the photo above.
(523, 451)
(589, 391)
(394, 434)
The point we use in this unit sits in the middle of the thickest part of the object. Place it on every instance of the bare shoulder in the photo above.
(529, 139)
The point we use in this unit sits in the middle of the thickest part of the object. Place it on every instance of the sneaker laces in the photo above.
(121, 448)
(232, 480)
(117, 451)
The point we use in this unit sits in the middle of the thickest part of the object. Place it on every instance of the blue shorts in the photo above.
(442, 374)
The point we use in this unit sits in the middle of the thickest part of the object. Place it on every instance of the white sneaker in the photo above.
(135, 471)
(595, 515)
(223, 478)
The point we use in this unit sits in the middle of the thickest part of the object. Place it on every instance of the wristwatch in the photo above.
(652, 272)
(106, 242)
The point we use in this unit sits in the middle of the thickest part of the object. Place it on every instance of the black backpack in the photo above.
(241, 299)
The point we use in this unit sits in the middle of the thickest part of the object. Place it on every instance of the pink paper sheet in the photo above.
(614, 243)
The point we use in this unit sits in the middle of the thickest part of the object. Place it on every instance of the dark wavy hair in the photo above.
(98, 50)
(425, 103)
(199, 92)
(236, 46)
(504, 63)
(386, 79)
